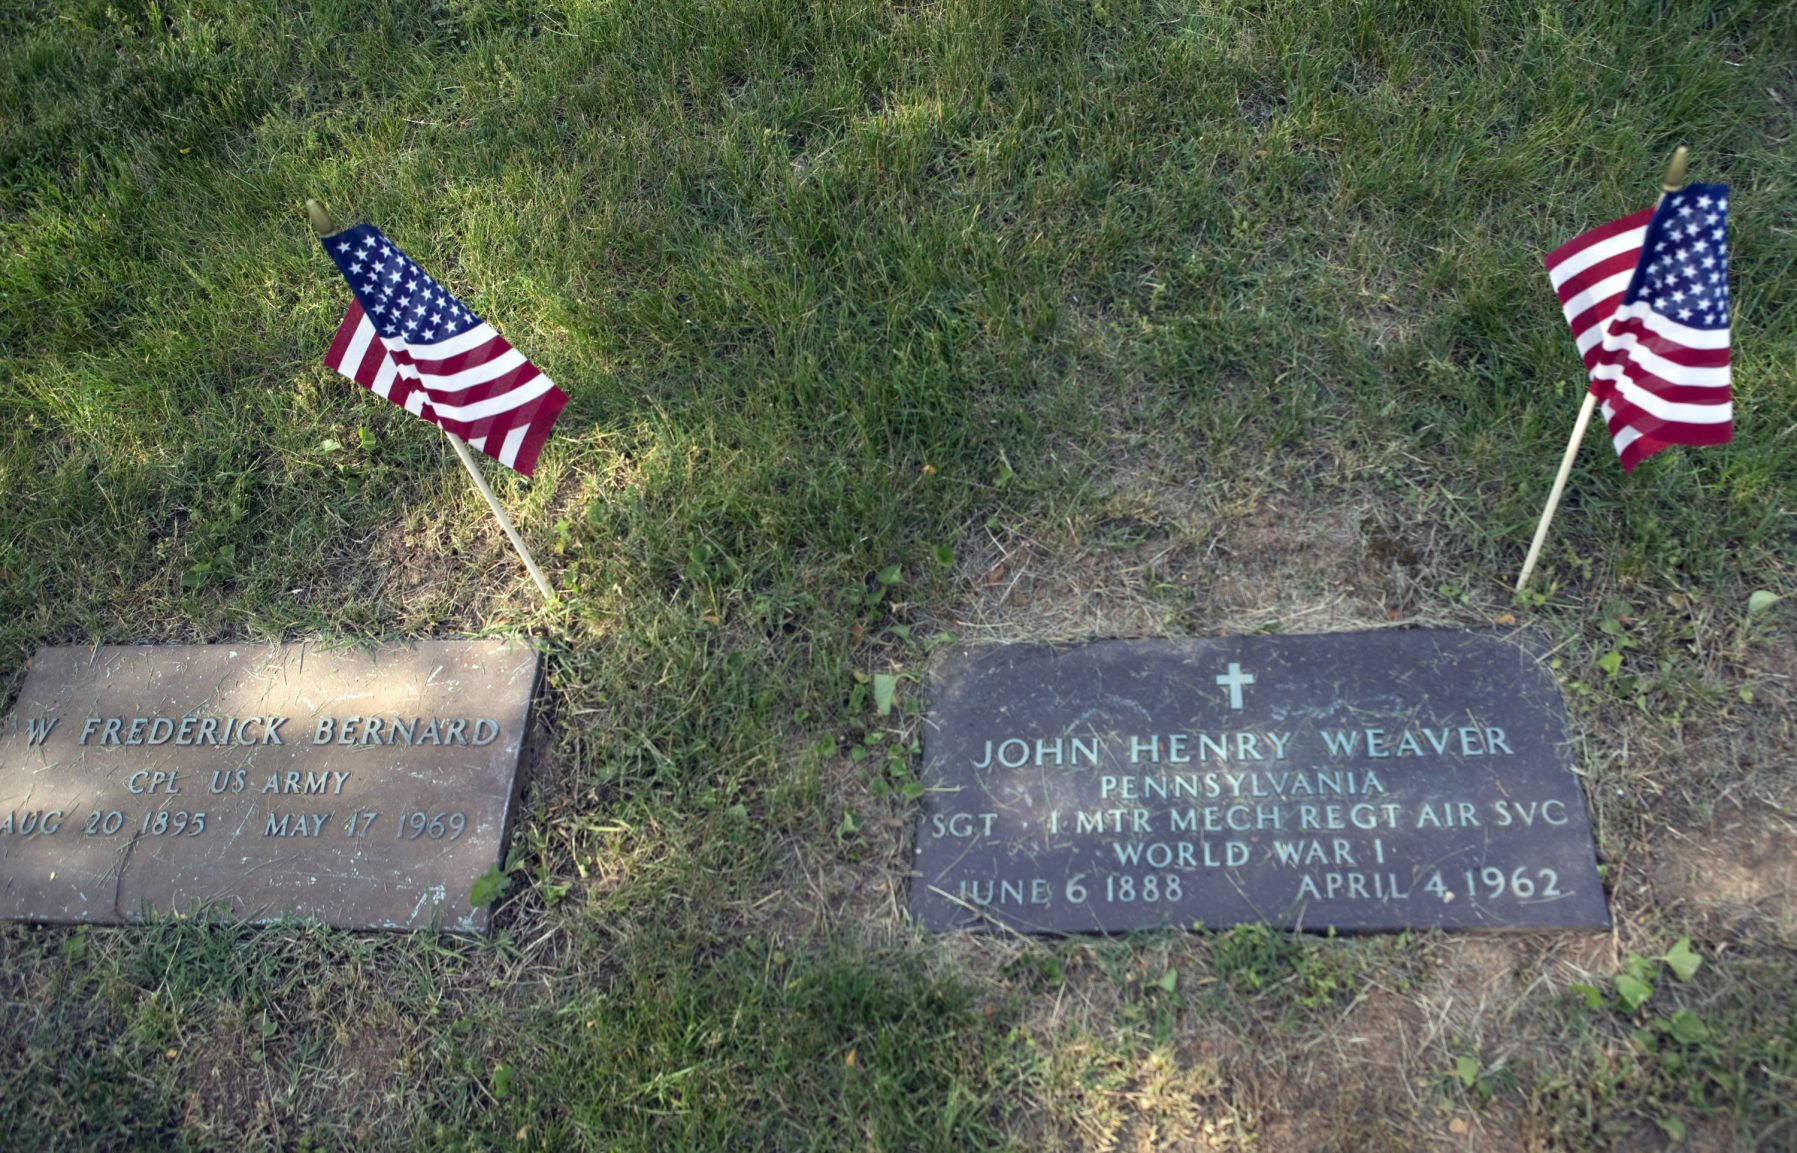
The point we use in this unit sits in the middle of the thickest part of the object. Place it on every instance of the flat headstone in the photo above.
(367, 788)
(1359, 781)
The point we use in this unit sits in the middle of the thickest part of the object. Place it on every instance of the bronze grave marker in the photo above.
(365, 788)
(1356, 781)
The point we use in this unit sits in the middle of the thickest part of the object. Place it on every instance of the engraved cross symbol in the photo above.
(1235, 678)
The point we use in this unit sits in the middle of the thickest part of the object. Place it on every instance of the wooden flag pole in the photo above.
(1553, 496)
(505, 522)
(1673, 181)
(322, 224)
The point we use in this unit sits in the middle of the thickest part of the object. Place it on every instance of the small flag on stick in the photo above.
(409, 340)
(437, 360)
(1647, 299)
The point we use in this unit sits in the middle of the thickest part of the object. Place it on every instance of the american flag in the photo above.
(1647, 299)
(406, 338)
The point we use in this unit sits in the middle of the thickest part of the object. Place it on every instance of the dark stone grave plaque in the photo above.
(365, 788)
(1358, 781)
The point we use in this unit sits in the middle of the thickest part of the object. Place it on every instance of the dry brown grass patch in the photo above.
(1739, 869)
(855, 887)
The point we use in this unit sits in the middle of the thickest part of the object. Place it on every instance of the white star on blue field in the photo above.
(1686, 278)
(401, 300)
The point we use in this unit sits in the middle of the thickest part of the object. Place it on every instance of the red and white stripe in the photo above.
(474, 385)
(1591, 272)
(1660, 383)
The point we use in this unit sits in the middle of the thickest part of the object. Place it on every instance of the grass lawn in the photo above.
(883, 323)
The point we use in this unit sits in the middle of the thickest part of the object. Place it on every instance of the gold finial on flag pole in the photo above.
(322, 224)
(1675, 171)
(1671, 182)
(321, 220)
